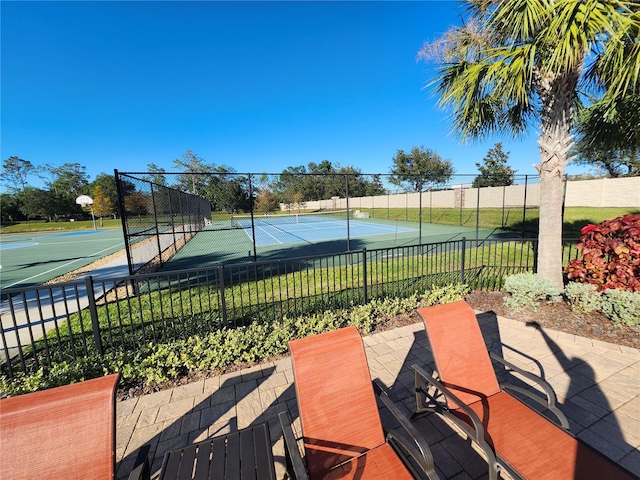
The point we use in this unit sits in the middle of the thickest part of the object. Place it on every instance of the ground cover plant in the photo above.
(155, 363)
(530, 290)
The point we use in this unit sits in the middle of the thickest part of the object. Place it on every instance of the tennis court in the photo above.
(284, 236)
(300, 228)
(31, 259)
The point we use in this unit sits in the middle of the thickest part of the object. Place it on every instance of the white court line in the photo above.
(262, 229)
(62, 266)
(246, 230)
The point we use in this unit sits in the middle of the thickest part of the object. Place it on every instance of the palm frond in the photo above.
(520, 20)
(575, 26)
(617, 68)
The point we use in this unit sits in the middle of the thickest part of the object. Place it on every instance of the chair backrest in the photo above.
(63, 432)
(337, 405)
(459, 351)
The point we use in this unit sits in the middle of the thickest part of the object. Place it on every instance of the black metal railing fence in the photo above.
(64, 322)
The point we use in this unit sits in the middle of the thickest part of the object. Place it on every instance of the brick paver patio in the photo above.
(597, 385)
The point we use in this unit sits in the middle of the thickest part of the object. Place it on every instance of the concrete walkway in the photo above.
(597, 385)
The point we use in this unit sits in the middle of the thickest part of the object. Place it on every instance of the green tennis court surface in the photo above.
(31, 259)
(280, 240)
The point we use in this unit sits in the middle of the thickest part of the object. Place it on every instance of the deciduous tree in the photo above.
(419, 168)
(266, 201)
(194, 179)
(15, 172)
(102, 204)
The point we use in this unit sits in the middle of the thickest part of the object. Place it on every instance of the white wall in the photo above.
(602, 192)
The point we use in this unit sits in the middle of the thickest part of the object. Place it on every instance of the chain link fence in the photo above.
(248, 216)
(157, 220)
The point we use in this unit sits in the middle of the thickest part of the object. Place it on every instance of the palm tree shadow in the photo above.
(586, 405)
(453, 454)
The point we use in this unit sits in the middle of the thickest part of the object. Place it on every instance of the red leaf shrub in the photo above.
(610, 255)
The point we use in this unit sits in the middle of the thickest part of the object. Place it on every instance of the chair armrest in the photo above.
(477, 430)
(141, 470)
(417, 445)
(292, 454)
(550, 403)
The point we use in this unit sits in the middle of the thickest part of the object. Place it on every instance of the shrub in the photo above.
(529, 289)
(622, 307)
(446, 294)
(583, 297)
(610, 255)
(156, 363)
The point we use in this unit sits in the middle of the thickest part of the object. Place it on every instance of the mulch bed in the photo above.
(558, 316)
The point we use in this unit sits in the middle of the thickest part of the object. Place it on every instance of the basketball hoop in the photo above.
(84, 200)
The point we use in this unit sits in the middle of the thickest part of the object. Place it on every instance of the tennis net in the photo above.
(244, 221)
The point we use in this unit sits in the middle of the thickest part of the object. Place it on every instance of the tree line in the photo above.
(228, 191)
(223, 187)
(63, 184)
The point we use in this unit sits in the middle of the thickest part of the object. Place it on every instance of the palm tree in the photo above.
(521, 63)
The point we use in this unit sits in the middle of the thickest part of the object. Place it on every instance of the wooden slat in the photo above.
(203, 461)
(219, 448)
(187, 460)
(247, 455)
(243, 455)
(263, 459)
(232, 456)
(171, 465)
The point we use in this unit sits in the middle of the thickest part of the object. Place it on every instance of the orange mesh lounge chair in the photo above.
(341, 427)
(513, 436)
(64, 432)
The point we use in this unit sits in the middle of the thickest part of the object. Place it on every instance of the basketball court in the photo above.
(32, 259)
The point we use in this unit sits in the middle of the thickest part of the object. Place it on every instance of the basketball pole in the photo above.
(83, 201)
(93, 217)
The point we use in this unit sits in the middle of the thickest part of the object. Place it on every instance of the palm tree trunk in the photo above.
(555, 141)
(550, 228)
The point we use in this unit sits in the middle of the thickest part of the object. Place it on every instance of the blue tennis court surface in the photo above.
(316, 231)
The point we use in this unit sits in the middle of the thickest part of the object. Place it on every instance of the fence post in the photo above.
(155, 220)
(93, 311)
(464, 246)
(364, 276)
(223, 301)
(123, 219)
(524, 207)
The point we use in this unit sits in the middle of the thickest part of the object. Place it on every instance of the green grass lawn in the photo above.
(168, 308)
(514, 219)
(509, 219)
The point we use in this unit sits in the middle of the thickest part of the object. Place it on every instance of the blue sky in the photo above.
(257, 86)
